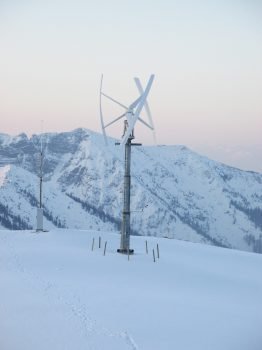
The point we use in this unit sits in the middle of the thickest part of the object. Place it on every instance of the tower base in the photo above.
(125, 251)
(39, 219)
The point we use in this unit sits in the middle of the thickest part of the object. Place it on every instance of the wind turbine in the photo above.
(40, 209)
(131, 115)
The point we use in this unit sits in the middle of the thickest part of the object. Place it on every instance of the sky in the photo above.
(206, 57)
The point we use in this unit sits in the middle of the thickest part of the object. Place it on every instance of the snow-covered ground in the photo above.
(56, 293)
(174, 191)
(3, 172)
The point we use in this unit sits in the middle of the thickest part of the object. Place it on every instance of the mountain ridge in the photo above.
(175, 191)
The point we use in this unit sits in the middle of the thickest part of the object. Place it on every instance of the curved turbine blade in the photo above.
(113, 121)
(135, 103)
(101, 113)
(113, 100)
(148, 112)
(145, 123)
(137, 112)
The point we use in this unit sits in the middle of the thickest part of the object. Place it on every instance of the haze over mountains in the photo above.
(175, 191)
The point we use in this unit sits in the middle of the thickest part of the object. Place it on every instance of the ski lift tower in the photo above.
(131, 115)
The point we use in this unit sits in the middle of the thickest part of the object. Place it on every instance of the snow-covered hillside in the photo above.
(175, 192)
(56, 293)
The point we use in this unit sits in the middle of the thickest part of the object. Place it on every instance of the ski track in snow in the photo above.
(74, 307)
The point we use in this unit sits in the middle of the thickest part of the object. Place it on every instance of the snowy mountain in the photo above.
(175, 191)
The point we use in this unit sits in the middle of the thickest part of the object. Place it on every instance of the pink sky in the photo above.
(206, 55)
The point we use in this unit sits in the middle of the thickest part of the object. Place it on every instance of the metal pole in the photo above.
(125, 230)
(105, 248)
(39, 213)
(41, 179)
(154, 258)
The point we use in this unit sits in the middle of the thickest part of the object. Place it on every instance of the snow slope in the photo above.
(3, 174)
(175, 191)
(58, 294)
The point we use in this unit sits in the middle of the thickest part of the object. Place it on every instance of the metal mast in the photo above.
(39, 213)
(41, 179)
(132, 115)
(125, 230)
(126, 213)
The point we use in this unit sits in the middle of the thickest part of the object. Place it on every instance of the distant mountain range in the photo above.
(176, 192)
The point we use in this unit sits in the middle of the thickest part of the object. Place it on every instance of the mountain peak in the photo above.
(175, 191)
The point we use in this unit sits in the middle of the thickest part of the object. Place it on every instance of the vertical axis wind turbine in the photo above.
(131, 116)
